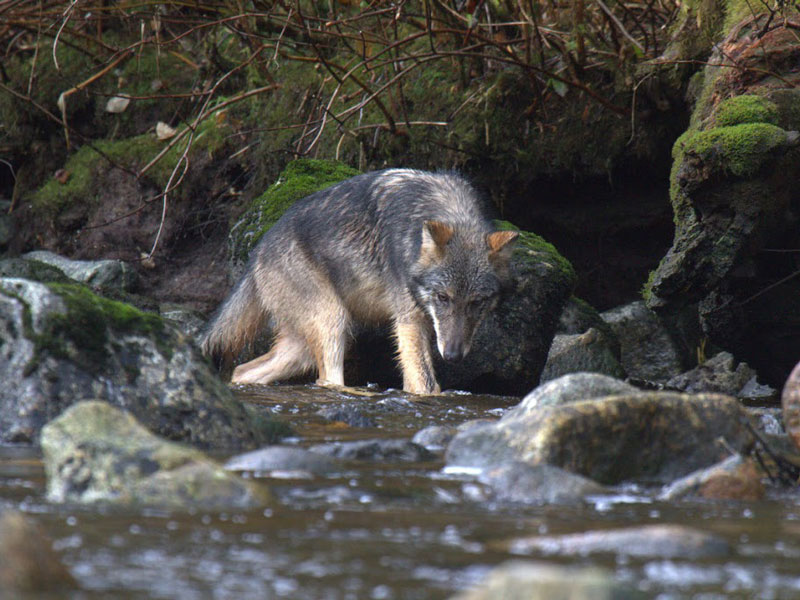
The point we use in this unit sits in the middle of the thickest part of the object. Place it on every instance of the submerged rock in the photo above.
(61, 344)
(586, 352)
(394, 451)
(647, 437)
(522, 483)
(285, 458)
(530, 580)
(106, 273)
(735, 478)
(666, 541)
(95, 452)
(648, 351)
(28, 565)
(350, 415)
(434, 437)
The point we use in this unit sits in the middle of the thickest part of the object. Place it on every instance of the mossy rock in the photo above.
(97, 452)
(299, 179)
(61, 343)
(84, 166)
(738, 149)
(748, 108)
(532, 248)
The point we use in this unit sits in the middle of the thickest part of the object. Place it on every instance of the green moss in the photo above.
(738, 149)
(299, 179)
(86, 331)
(531, 247)
(133, 153)
(747, 108)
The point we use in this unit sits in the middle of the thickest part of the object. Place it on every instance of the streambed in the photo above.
(382, 530)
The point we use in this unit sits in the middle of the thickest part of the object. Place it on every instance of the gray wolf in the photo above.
(398, 246)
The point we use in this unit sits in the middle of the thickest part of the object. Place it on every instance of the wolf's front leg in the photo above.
(414, 354)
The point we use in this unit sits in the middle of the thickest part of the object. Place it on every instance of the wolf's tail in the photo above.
(238, 322)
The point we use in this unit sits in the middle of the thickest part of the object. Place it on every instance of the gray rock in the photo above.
(647, 350)
(284, 458)
(96, 273)
(96, 452)
(538, 484)
(32, 269)
(647, 437)
(187, 320)
(434, 437)
(528, 580)
(720, 374)
(665, 541)
(60, 344)
(574, 387)
(28, 566)
(586, 352)
(392, 451)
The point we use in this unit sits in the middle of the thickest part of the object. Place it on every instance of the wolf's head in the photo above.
(456, 280)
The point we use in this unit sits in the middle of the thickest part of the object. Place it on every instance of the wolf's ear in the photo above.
(501, 247)
(500, 241)
(435, 236)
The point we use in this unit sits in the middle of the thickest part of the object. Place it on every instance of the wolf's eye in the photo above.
(442, 298)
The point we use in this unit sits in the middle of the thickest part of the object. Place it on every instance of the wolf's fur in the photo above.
(401, 246)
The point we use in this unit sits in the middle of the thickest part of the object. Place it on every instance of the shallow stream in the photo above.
(382, 531)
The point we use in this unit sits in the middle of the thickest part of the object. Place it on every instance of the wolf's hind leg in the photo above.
(289, 356)
(414, 355)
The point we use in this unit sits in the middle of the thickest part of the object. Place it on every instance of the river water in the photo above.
(382, 531)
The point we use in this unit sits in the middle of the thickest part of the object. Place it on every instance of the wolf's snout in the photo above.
(454, 352)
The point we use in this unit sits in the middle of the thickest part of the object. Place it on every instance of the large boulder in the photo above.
(95, 452)
(733, 189)
(60, 343)
(650, 437)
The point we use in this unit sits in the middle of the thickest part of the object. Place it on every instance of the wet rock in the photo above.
(665, 541)
(62, 344)
(96, 273)
(571, 388)
(530, 580)
(284, 458)
(735, 478)
(435, 437)
(392, 451)
(521, 483)
(647, 350)
(720, 374)
(96, 452)
(28, 564)
(348, 414)
(586, 352)
(646, 437)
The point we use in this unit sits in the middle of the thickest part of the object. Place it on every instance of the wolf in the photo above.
(401, 246)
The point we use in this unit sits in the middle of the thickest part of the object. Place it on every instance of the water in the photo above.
(388, 531)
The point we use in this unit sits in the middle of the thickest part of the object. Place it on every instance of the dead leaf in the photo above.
(164, 131)
(117, 104)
